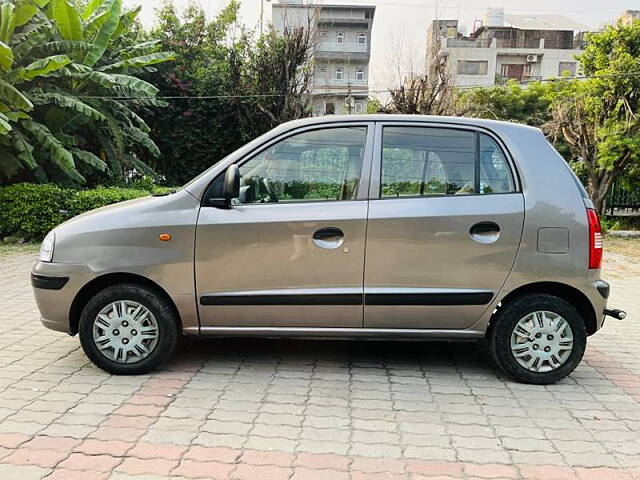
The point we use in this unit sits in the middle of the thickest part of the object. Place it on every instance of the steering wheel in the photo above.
(270, 190)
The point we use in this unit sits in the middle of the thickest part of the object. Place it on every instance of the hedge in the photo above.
(29, 211)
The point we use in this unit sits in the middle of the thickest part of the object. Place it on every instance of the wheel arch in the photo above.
(568, 293)
(107, 280)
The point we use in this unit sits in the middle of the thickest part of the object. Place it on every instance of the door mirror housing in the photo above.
(231, 187)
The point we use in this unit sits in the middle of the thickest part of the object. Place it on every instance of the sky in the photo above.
(399, 27)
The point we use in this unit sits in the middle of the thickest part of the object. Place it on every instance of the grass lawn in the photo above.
(18, 249)
(629, 247)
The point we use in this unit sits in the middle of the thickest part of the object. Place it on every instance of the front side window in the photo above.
(427, 161)
(320, 165)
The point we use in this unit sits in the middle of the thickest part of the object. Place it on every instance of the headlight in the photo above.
(46, 249)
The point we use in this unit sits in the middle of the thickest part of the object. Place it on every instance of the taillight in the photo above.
(595, 239)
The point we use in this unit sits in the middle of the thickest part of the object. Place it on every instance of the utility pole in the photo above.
(261, 15)
(349, 98)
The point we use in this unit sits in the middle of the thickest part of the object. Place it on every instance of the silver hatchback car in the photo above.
(408, 227)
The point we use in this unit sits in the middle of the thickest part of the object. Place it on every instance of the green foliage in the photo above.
(219, 58)
(69, 91)
(511, 101)
(30, 211)
(598, 118)
(620, 223)
(85, 200)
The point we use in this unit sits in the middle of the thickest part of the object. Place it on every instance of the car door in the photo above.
(445, 221)
(290, 250)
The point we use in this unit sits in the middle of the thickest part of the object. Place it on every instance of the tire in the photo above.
(151, 336)
(551, 309)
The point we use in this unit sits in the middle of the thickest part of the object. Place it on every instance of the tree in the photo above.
(67, 101)
(511, 102)
(249, 86)
(598, 117)
(430, 94)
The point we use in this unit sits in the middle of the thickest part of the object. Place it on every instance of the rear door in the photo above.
(290, 251)
(445, 221)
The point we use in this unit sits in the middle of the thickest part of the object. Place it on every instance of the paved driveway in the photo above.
(312, 410)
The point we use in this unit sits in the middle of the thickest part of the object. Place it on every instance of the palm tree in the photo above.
(69, 94)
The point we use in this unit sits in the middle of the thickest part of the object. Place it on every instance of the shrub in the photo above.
(85, 200)
(30, 211)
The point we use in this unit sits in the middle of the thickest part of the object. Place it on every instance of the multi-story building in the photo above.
(520, 47)
(628, 16)
(342, 36)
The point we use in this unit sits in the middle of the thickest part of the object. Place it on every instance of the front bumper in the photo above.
(55, 286)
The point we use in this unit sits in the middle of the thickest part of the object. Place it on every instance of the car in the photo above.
(379, 226)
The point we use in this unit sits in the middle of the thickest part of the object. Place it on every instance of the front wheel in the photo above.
(128, 329)
(538, 338)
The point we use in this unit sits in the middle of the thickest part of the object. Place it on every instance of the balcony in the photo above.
(515, 44)
(342, 47)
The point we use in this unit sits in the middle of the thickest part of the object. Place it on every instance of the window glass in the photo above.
(340, 37)
(421, 161)
(311, 166)
(567, 68)
(359, 74)
(495, 174)
(471, 67)
(362, 38)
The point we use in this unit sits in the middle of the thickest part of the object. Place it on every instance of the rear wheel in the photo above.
(128, 329)
(538, 338)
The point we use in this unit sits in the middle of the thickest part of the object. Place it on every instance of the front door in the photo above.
(445, 220)
(290, 251)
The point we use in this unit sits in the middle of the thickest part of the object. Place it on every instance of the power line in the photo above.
(362, 92)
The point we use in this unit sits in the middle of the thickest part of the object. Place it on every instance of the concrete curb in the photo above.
(624, 233)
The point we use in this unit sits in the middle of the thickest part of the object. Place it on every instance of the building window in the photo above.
(329, 108)
(340, 38)
(360, 74)
(339, 73)
(359, 107)
(324, 34)
(567, 68)
(362, 39)
(322, 69)
(472, 67)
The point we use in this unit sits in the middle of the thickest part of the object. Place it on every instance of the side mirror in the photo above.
(231, 188)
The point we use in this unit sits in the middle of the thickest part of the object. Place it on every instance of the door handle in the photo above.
(328, 237)
(485, 232)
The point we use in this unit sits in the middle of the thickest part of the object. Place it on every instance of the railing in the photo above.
(342, 47)
(528, 44)
(623, 200)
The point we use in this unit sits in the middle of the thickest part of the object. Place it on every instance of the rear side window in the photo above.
(428, 161)
(495, 174)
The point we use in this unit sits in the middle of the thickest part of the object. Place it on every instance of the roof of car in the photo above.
(382, 117)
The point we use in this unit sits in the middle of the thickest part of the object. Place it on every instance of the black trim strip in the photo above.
(452, 298)
(289, 299)
(48, 283)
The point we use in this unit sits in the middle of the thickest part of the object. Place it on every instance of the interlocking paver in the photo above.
(236, 409)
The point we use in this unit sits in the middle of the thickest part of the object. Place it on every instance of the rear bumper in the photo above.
(55, 286)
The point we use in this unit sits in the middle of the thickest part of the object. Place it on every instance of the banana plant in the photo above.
(68, 95)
